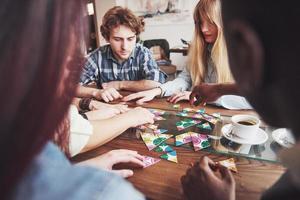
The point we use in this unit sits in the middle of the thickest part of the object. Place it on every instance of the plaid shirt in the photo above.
(102, 67)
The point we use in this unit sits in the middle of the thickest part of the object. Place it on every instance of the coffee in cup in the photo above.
(245, 126)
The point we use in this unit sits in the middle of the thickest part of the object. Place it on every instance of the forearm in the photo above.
(88, 92)
(106, 130)
(137, 86)
(228, 89)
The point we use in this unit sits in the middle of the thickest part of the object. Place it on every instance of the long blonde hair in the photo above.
(198, 53)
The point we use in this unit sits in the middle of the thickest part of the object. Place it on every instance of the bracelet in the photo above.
(84, 103)
(84, 115)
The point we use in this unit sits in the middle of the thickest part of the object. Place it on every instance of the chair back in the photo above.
(162, 43)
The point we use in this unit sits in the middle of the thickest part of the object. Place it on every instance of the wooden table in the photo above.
(162, 181)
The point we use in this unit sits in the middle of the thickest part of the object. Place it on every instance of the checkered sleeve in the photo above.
(151, 69)
(90, 69)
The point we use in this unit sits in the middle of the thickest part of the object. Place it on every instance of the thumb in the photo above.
(226, 174)
(125, 173)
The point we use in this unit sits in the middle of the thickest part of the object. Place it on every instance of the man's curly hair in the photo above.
(117, 16)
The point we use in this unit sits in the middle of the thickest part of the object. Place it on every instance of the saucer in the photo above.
(283, 137)
(260, 138)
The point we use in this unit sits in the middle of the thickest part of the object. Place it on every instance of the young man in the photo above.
(123, 64)
(264, 59)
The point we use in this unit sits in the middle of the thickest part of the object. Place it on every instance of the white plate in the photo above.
(260, 138)
(283, 137)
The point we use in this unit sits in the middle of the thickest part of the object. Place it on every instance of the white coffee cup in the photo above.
(245, 126)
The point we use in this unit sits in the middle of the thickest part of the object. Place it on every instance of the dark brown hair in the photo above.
(37, 57)
(117, 16)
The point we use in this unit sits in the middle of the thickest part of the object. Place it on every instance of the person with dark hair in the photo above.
(38, 86)
(123, 64)
(263, 55)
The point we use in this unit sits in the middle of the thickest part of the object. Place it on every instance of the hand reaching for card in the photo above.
(206, 180)
(107, 160)
(108, 94)
(139, 116)
(97, 105)
(179, 96)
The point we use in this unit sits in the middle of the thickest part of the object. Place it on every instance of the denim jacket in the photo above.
(52, 176)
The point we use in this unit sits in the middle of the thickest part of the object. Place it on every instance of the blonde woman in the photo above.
(208, 60)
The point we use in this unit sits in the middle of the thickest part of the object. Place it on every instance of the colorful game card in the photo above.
(217, 115)
(159, 131)
(176, 106)
(205, 126)
(210, 118)
(170, 156)
(182, 114)
(163, 148)
(148, 161)
(148, 126)
(200, 141)
(197, 116)
(153, 140)
(186, 123)
(183, 139)
(157, 112)
(229, 163)
(201, 111)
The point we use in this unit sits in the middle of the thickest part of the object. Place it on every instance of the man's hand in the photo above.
(179, 96)
(112, 84)
(205, 93)
(107, 160)
(206, 180)
(107, 95)
(143, 96)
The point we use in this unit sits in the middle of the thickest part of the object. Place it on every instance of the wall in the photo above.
(173, 33)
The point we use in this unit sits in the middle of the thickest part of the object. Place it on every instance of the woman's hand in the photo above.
(107, 160)
(102, 114)
(139, 116)
(97, 105)
(179, 96)
(206, 180)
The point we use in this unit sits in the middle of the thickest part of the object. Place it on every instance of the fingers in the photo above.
(110, 94)
(122, 108)
(116, 111)
(173, 98)
(125, 173)
(206, 165)
(226, 174)
(107, 96)
(192, 98)
(180, 99)
(126, 152)
(115, 94)
(126, 158)
(143, 100)
(133, 96)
